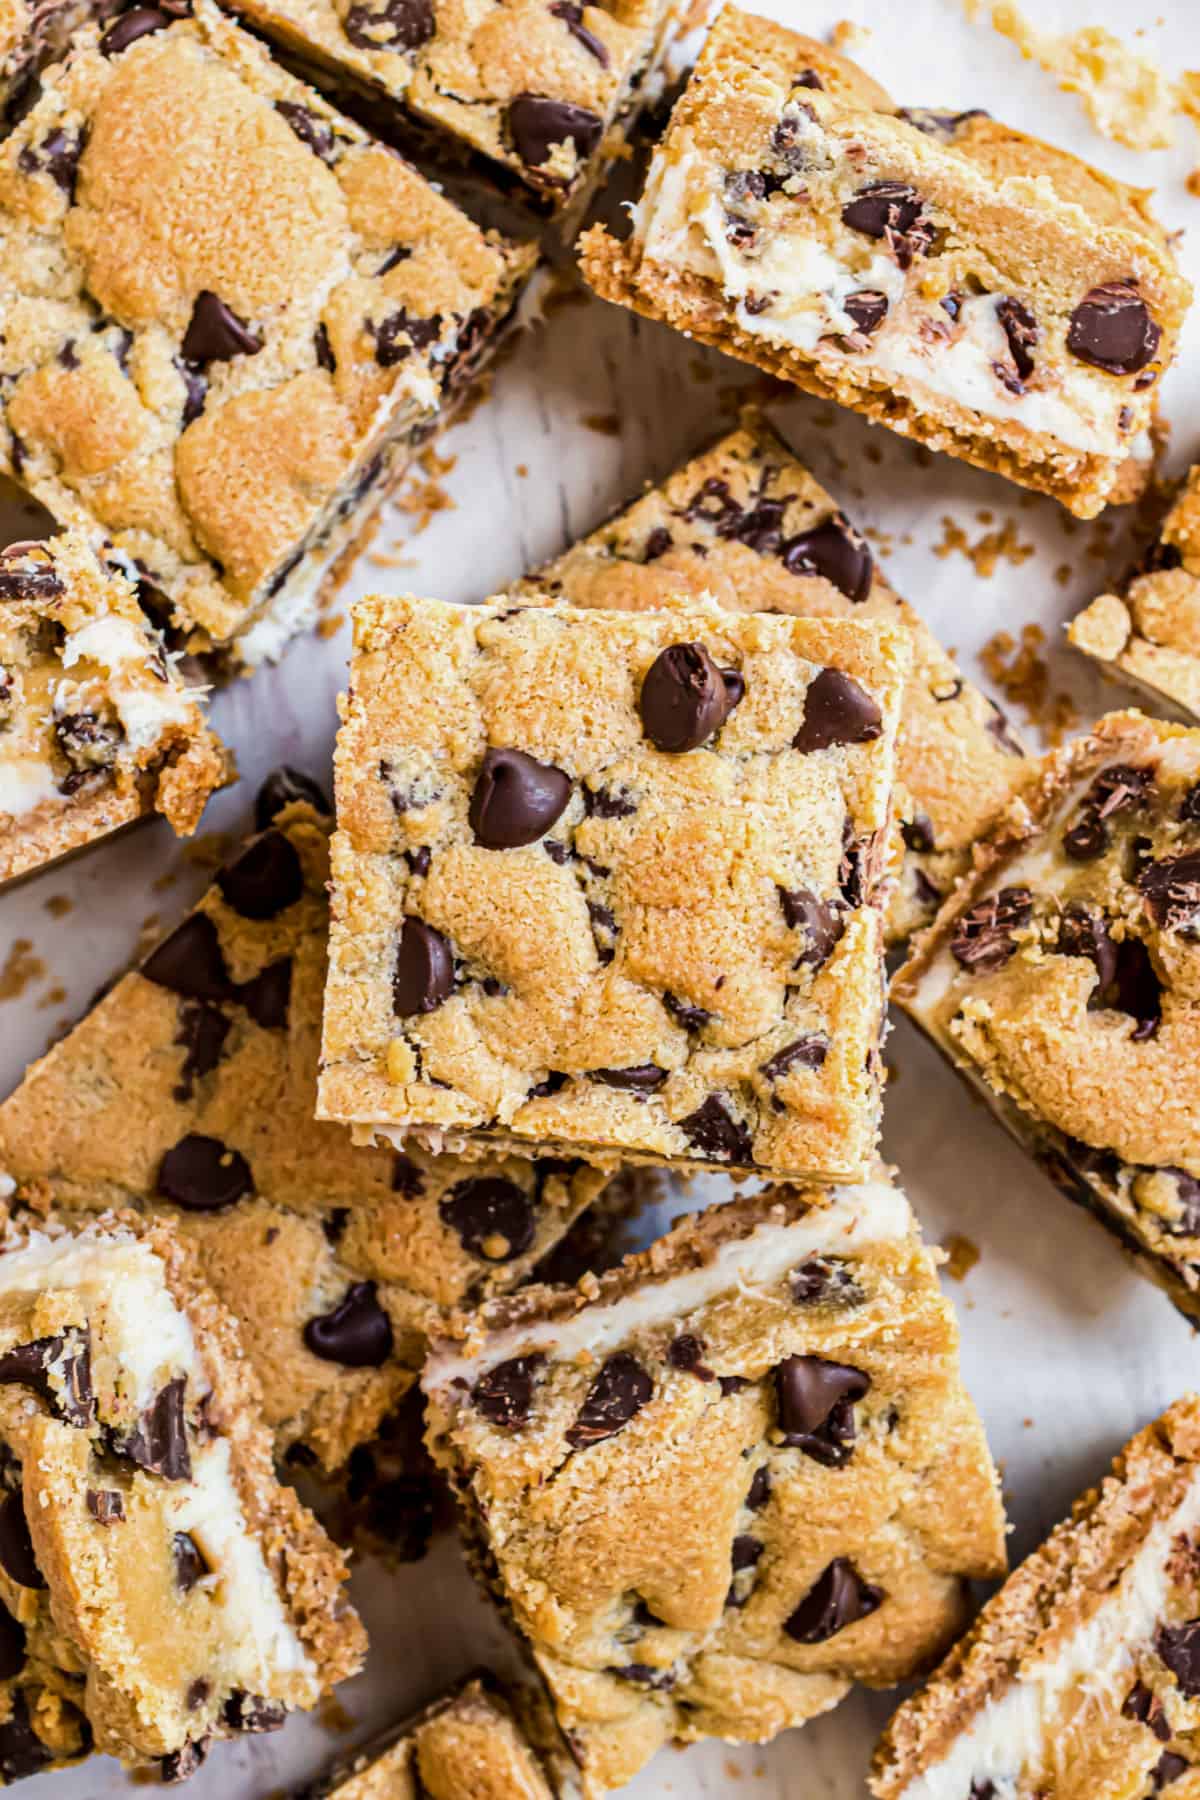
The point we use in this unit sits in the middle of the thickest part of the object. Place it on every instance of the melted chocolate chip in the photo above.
(716, 1134)
(516, 799)
(836, 551)
(821, 923)
(983, 941)
(215, 333)
(189, 1561)
(641, 1079)
(39, 583)
(759, 1491)
(357, 1332)
(890, 210)
(284, 786)
(16, 1545)
(1021, 329)
(868, 308)
(536, 124)
(808, 78)
(1179, 1648)
(407, 1178)
(265, 879)
(572, 17)
(690, 1018)
(267, 995)
(12, 1647)
(309, 127)
(685, 699)
(424, 972)
(1171, 889)
(658, 542)
(494, 1218)
(804, 1053)
(837, 711)
(839, 1597)
(202, 1174)
(131, 26)
(400, 334)
(67, 1356)
(686, 1352)
(397, 25)
(816, 1407)
(1111, 328)
(202, 1033)
(106, 1506)
(158, 1442)
(1146, 1707)
(180, 1765)
(253, 1712)
(619, 1392)
(504, 1395)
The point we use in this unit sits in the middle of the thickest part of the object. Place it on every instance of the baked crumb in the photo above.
(1193, 184)
(1125, 93)
(329, 626)
(961, 1256)
(1022, 674)
(988, 551)
(20, 968)
(849, 36)
(59, 905)
(53, 996)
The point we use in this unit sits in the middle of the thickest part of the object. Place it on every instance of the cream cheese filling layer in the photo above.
(145, 706)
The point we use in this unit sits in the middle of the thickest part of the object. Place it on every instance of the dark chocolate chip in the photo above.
(424, 972)
(690, 1018)
(16, 1545)
(22, 1751)
(891, 210)
(917, 833)
(1112, 329)
(1021, 329)
(759, 1491)
(732, 1384)
(198, 1693)
(323, 349)
(1171, 888)
(745, 1551)
(419, 860)
(202, 1033)
(984, 939)
(400, 334)
(602, 803)
(804, 1053)
(195, 392)
(106, 1506)
(494, 1218)
(283, 787)
(536, 123)
(180, 1765)
(397, 25)
(57, 155)
(572, 17)
(554, 1083)
(12, 1646)
(158, 1442)
(938, 124)
(66, 1355)
(215, 333)
(1167, 1769)
(641, 1079)
(684, 699)
(191, 962)
(265, 879)
(1179, 1648)
(825, 1279)
(821, 923)
(1146, 1707)
(407, 1178)
(267, 995)
(658, 542)
(837, 711)
(309, 127)
(816, 1406)
(839, 1597)
(202, 1174)
(836, 551)
(645, 1676)
(253, 1712)
(868, 308)
(620, 1390)
(516, 799)
(190, 1563)
(717, 1135)
(504, 1395)
(356, 1333)
(39, 583)
(808, 78)
(1085, 933)
(686, 1352)
(131, 26)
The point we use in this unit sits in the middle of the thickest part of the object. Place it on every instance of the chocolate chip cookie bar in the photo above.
(227, 317)
(96, 727)
(746, 523)
(1147, 634)
(188, 1092)
(728, 1480)
(609, 884)
(1081, 1678)
(145, 1544)
(1063, 982)
(946, 276)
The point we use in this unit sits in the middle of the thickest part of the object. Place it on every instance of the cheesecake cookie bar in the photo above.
(1063, 982)
(188, 1092)
(145, 1544)
(728, 1480)
(96, 727)
(227, 317)
(946, 276)
(609, 883)
(746, 523)
(1147, 634)
(1080, 1680)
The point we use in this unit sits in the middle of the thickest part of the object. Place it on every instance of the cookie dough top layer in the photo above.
(611, 881)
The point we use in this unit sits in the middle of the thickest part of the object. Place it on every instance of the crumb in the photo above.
(961, 1256)
(433, 465)
(421, 499)
(166, 880)
(523, 470)
(1063, 574)
(59, 905)
(1125, 93)
(988, 551)
(330, 625)
(606, 424)
(52, 997)
(732, 1772)
(391, 559)
(20, 968)
(210, 849)
(1028, 1424)
(333, 1716)
(1021, 673)
(847, 36)
(1193, 184)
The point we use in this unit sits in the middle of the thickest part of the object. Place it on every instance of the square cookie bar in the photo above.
(188, 1091)
(746, 523)
(98, 730)
(145, 1544)
(1080, 1679)
(730, 1479)
(227, 317)
(1063, 982)
(1147, 633)
(609, 883)
(946, 276)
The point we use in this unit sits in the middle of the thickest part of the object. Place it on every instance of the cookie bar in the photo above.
(98, 730)
(227, 317)
(1063, 982)
(1148, 633)
(609, 883)
(188, 1091)
(728, 1480)
(946, 276)
(144, 1541)
(746, 523)
(1080, 1678)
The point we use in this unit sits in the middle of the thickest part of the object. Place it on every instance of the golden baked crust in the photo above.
(285, 309)
(727, 1480)
(1119, 1718)
(1063, 981)
(746, 523)
(188, 1092)
(945, 276)
(551, 934)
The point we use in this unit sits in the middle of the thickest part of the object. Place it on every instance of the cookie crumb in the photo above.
(1125, 93)
(961, 1256)
(52, 997)
(606, 424)
(20, 968)
(59, 905)
(1022, 674)
(330, 626)
(1193, 184)
(849, 37)
(987, 551)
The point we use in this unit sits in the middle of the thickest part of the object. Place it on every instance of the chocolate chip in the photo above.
(180, 1765)
(684, 699)
(66, 1355)
(641, 1079)
(323, 349)
(191, 962)
(1087, 839)
(419, 860)
(816, 1407)
(839, 1597)
(202, 1033)
(400, 334)
(284, 786)
(267, 995)
(983, 941)
(804, 1053)
(717, 1135)
(759, 1491)
(158, 1442)
(917, 833)
(106, 1506)
(504, 1395)
(1146, 1707)
(1167, 1769)
(12, 1648)
(407, 1178)
(494, 1218)
(22, 1751)
(130, 27)
(516, 799)
(837, 711)
(215, 333)
(398, 25)
(891, 210)
(645, 1676)
(195, 392)
(1085, 933)
(1179, 1648)
(16, 1545)
(1021, 329)
(836, 551)
(808, 78)
(265, 879)
(868, 308)
(619, 1392)
(686, 1352)
(821, 923)
(1111, 328)
(745, 1551)
(658, 542)
(189, 1560)
(39, 583)
(825, 1279)
(732, 1384)
(202, 1174)
(938, 124)
(424, 972)
(688, 1017)
(356, 1333)
(1189, 809)
(253, 1712)
(536, 124)
(1171, 888)
(572, 17)
(57, 155)
(309, 127)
